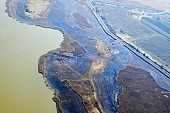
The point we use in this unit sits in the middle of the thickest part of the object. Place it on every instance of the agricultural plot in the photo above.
(163, 18)
(148, 38)
(119, 17)
(158, 47)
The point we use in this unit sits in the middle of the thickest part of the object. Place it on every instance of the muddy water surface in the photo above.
(22, 88)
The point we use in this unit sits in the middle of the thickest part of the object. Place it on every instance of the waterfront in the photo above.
(72, 71)
(22, 87)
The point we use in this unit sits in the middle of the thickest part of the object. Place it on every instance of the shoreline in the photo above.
(67, 47)
(43, 81)
(7, 10)
(41, 61)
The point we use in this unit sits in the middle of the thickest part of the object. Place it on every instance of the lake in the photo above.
(22, 88)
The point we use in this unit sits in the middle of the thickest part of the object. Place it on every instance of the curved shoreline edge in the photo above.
(7, 10)
(67, 50)
(41, 61)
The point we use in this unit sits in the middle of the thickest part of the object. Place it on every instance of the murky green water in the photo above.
(22, 88)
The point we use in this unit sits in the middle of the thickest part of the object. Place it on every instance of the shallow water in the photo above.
(22, 87)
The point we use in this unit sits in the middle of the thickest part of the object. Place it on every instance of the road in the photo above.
(127, 45)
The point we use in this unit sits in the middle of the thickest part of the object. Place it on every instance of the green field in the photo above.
(143, 36)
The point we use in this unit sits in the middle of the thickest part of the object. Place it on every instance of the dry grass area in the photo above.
(98, 66)
(85, 90)
(157, 4)
(37, 8)
(102, 48)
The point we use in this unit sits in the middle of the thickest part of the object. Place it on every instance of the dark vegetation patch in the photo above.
(79, 50)
(81, 21)
(85, 90)
(140, 93)
(70, 46)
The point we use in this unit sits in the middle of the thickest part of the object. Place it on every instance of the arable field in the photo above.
(149, 37)
(157, 4)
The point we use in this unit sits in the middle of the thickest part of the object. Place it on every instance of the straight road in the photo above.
(127, 45)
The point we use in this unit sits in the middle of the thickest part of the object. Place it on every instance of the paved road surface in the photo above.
(128, 46)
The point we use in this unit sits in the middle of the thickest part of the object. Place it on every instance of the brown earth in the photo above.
(81, 21)
(65, 44)
(57, 101)
(37, 8)
(83, 87)
(102, 48)
(70, 46)
(85, 90)
(140, 93)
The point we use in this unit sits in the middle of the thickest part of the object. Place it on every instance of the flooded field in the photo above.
(22, 88)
